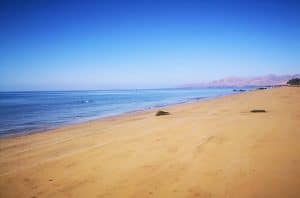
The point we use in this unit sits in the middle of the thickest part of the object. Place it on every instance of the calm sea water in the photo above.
(25, 112)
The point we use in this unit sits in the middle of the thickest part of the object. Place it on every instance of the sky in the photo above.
(70, 45)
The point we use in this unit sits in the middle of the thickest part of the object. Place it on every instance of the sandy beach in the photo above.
(211, 148)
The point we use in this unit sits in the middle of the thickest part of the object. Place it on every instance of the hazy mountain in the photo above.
(267, 80)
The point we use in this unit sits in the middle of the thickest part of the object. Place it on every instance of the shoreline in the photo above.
(133, 112)
(212, 148)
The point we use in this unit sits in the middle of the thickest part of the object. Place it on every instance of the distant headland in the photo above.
(267, 80)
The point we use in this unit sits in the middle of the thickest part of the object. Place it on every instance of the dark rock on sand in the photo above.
(160, 113)
(258, 111)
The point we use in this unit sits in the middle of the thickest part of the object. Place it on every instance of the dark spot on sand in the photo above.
(258, 111)
(50, 180)
(160, 113)
(27, 180)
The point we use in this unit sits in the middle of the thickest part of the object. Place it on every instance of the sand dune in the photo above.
(213, 148)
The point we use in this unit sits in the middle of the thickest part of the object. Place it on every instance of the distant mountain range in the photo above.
(268, 80)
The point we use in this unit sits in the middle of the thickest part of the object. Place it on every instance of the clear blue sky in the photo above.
(53, 45)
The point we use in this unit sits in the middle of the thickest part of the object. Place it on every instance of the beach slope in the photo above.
(212, 148)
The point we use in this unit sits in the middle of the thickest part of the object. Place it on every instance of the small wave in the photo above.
(87, 101)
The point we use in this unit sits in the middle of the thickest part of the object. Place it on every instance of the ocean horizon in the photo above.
(24, 112)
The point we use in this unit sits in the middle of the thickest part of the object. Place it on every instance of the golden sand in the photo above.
(212, 148)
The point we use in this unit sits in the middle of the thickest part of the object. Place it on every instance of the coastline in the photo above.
(206, 148)
(85, 120)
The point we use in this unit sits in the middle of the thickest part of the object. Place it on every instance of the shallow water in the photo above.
(25, 112)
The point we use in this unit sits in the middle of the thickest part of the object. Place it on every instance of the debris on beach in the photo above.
(160, 113)
(258, 111)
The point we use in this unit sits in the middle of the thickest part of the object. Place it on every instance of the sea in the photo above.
(34, 111)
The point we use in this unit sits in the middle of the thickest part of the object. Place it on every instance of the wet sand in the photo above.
(212, 148)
